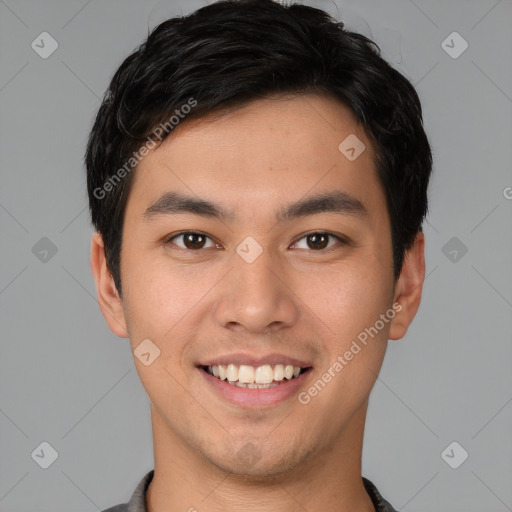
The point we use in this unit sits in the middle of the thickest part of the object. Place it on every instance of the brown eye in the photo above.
(318, 241)
(190, 240)
(194, 240)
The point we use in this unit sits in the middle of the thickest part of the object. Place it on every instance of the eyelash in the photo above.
(340, 239)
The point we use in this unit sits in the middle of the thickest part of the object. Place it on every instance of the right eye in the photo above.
(192, 240)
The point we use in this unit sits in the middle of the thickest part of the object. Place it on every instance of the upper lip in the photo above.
(255, 360)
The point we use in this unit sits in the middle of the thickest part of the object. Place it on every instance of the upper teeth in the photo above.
(249, 374)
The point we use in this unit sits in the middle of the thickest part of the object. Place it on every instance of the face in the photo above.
(271, 249)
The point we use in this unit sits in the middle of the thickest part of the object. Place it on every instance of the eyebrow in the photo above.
(336, 201)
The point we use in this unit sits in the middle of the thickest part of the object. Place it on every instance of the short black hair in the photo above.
(232, 52)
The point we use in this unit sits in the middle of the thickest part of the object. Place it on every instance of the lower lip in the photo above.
(246, 397)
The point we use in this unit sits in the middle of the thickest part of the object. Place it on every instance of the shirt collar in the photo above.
(137, 501)
(380, 504)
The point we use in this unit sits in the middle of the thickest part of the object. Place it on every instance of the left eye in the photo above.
(317, 240)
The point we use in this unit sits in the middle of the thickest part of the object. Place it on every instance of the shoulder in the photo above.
(123, 507)
(137, 501)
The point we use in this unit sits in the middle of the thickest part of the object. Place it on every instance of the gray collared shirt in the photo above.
(137, 502)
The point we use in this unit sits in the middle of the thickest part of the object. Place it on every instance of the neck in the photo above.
(329, 481)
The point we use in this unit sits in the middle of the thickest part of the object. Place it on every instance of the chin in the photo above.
(259, 462)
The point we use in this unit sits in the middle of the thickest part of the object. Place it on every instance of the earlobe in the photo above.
(409, 288)
(111, 305)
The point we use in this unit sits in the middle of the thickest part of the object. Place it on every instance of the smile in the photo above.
(247, 386)
(251, 377)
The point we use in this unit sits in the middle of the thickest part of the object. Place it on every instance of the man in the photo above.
(258, 178)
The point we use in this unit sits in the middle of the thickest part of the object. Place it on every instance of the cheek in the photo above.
(354, 351)
(346, 300)
(161, 295)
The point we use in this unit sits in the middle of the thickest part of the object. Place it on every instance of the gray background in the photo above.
(65, 379)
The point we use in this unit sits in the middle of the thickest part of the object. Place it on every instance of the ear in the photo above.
(408, 288)
(111, 305)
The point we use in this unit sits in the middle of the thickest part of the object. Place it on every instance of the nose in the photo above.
(256, 297)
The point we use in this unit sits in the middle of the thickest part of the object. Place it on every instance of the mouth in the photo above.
(253, 382)
(250, 380)
(255, 377)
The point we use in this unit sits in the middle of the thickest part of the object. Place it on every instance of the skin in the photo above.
(295, 299)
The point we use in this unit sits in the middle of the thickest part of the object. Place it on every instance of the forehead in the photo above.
(263, 155)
